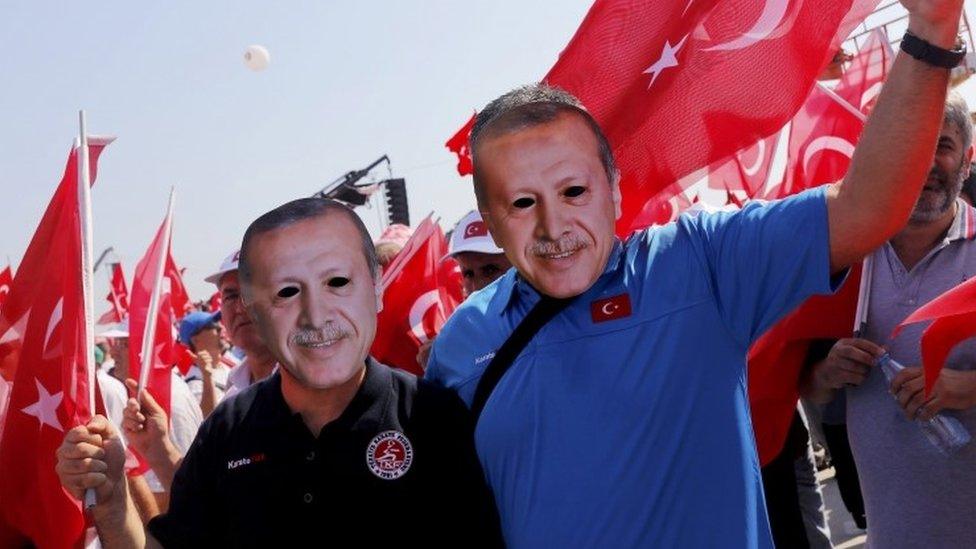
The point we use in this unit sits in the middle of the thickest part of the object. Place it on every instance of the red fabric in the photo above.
(420, 294)
(215, 300)
(458, 144)
(178, 295)
(184, 358)
(822, 140)
(42, 345)
(163, 356)
(118, 297)
(667, 119)
(953, 316)
(776, 361)
(746, 171)
(862, 81)
(6, 279)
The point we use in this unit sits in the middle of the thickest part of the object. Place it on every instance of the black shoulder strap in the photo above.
(543, 312)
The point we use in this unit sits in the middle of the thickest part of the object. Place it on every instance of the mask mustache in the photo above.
(317, 336)
(568, 243)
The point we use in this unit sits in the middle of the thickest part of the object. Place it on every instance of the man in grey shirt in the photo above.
(914, 495)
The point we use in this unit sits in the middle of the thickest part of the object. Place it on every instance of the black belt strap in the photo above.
(543, 312)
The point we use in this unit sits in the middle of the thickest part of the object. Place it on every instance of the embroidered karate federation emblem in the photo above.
(389, 455)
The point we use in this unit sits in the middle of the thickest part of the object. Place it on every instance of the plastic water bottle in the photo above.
(945, 432)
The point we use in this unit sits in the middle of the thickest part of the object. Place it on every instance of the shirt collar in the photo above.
(963, 224)
(513, 284)
(365, 411)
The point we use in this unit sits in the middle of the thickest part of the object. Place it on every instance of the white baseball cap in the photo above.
(229, 264)
(471, 235)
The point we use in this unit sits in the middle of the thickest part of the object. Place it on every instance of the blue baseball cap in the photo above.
(194, 322)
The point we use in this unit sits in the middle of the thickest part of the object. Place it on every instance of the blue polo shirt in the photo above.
(625, 421)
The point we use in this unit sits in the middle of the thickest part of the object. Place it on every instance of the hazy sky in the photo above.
(348, 82)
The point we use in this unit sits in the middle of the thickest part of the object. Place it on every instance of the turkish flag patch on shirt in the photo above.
(610, 308)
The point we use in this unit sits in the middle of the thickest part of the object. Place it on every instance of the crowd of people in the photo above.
(590, 391)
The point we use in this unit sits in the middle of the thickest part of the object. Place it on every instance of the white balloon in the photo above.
(256, 57)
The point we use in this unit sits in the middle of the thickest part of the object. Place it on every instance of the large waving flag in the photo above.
(679, 85)
(420, 293)
(43, 351)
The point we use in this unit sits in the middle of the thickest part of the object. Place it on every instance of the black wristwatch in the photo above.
(932, 54)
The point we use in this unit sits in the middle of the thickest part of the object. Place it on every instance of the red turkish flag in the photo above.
(862, 81)
(746, 171)
(776, 361)
(679, 85)
(118, 297)
(953, 316)
(822, 140)
(459, 145)
(163, 350)
(610, 308)
(6, 279)
(43, 351)
(215, 302)
(420, 294)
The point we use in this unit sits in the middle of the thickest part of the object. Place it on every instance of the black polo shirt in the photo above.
(398, 466)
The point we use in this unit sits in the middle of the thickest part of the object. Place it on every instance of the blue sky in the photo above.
(348, 81)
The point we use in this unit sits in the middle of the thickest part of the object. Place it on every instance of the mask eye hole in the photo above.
(575, 190)
(523, 202)
(338, 281)
(288, 291)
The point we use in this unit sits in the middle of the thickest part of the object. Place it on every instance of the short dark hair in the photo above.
(300, 210)
(532, 105)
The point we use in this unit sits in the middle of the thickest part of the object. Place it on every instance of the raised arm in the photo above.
(895, 152)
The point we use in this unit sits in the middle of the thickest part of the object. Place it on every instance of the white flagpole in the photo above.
(149, 333)
(84, 204)
(863, 297)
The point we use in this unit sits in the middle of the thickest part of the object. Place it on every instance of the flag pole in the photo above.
(84, 203)
(149, 333)
(863, 297)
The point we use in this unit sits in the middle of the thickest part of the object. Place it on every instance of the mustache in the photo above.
(939, 175)
(314, 336)
(566, 243)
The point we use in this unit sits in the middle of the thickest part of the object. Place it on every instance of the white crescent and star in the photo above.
(609, 308)
(768, 22)
(417, 312)
(753, 170)
(46, 407)
(826, 143)
(53, 323)
(667, 60)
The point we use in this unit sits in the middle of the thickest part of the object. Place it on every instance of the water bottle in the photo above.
(944, 432)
